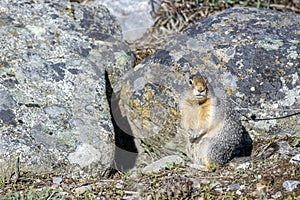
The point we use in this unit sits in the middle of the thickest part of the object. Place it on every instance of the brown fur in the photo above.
(197, 111)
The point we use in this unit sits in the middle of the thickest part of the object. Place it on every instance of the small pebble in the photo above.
(215, 184)
(119, 186)
(218, 189)
(277, 195)
(259, 176)
(278, 171)
(38, 180)
(243, 166)
(205, 181)
(57, 180)
(127, 197)
(290, 185)
(233, 186)
(238, 192)
(295, 159)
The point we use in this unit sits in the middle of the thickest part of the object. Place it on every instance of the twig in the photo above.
(53, 193)
(130, 192)
(277, 6)
(214, 177)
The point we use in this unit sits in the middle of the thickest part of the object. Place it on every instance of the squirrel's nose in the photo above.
(200, 93)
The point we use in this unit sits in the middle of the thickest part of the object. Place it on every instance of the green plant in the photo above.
(30, 194)
(124, 175)
(296, 141)
(10, 171)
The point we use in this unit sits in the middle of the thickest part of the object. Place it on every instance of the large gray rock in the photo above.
(248, 54)
(134, 16)
(54, 114)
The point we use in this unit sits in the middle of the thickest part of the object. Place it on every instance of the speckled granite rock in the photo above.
(134, 16)
(54, 113)
(248, 54)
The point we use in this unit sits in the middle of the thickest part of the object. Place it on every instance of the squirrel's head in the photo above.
(198, 87)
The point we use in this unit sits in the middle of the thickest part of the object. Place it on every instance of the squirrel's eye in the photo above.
(190, 82)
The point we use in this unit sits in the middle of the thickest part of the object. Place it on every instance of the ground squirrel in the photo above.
(211, 124)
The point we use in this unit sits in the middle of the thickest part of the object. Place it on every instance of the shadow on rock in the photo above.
(126, 153)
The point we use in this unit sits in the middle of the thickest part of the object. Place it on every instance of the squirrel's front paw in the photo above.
(198, 167)
(195, 134)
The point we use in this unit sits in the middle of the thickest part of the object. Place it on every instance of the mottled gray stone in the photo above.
(57, 180)
(249, 55)
(233, 186)
(134, 16)
(277, 195)
(290, 185)
(54, 113)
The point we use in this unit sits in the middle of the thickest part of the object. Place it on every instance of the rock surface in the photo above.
(248, 54)
(54, 114)
(134, 16)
